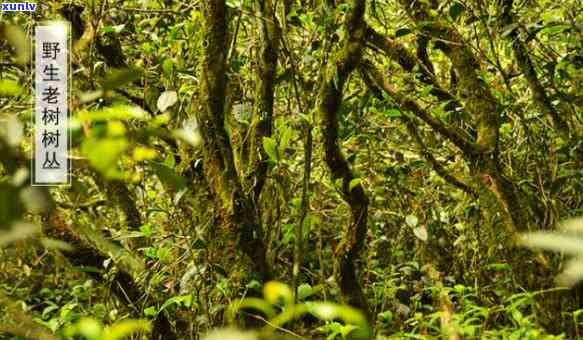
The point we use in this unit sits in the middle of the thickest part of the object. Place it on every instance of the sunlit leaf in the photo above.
(230, 334)
(50, 243)
(113, 29)
(421, 232)
(354, 182)
(104, 153)
(330, 311)
(573, 225)
(12, 131)
(554, 241)
(17, 38)
(189, 133)
(392, 113)
(572, 273)
(90, 96)
(251, 303)
(411, 220)
(181, 300)
(117, 112)
(142, 153)
(276, 292)
(86, 327)
(168, 67)
(166, 100)
(18, 231)
(123, 329)
(234, 3)
(270, 147)
(304, 291)
(10, 88)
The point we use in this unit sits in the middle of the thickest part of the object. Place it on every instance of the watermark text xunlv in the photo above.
(17, 7)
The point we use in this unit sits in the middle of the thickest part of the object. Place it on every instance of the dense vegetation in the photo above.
(300, 169)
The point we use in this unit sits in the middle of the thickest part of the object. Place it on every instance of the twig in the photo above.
(258, 317)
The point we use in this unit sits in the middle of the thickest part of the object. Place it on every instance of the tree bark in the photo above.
(329, 101)
(238, 210)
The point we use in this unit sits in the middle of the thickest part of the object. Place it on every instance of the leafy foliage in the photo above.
(299, 169)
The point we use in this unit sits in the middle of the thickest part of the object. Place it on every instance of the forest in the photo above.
(297, 169)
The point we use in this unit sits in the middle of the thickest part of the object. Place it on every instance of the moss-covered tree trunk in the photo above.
(329, 101)
(238, 210)
(262, 121)
(480, 102)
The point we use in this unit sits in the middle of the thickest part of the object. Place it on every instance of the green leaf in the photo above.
(401, 32)
(499, 266)
(86, 327)
(285, 139)
(270, 147)
(386, 316)
(354, 182)
(181, 300)
(455, 10)
(304, 291)
(12, 131)
(392, 113)
(234, 3)
(330, 311)
(168, 176)
(125, 328)
(10, 88)
(505, 129)
(117, 78)
(150, 311)
(411, 221)
(253, 284)
(345, 330)
(168, 67)
(253, 303)
(426, 91)
(276, 292)
(555, 29)
(104, 153)
(113, 29)
(21, 42)
(117, 112)
(142, 153)
(508, 29)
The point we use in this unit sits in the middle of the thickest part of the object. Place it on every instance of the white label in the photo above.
(51, 144)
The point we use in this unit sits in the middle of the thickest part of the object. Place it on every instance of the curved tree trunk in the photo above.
(329, 102)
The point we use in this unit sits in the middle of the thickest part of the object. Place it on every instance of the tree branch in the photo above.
(524, 62)
(456, 136)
